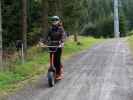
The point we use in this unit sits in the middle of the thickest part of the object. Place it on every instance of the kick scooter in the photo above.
(51, 75)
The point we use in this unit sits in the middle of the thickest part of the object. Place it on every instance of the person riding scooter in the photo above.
(56, 33)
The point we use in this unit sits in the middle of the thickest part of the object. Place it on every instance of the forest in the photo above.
(86, 17)
(28, 20)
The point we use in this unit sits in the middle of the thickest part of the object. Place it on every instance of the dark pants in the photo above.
(57, 60)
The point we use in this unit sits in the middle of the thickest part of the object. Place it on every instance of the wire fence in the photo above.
(13, 55)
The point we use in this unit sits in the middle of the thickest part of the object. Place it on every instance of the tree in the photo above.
(0, 37)
(72, 15)
(24, 23)
(11, 22)
(126, 7)
(51, 7)
(59, 5)
(44, 17)
(122, 26)
(76, 15)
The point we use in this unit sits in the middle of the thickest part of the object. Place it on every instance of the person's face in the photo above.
(55, 22)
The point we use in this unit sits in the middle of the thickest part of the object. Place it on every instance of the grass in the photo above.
(37, 62)
(130, 41)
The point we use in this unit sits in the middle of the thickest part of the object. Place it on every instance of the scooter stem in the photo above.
(52, 59)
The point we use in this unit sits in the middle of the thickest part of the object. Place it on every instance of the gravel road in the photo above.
(104, 72)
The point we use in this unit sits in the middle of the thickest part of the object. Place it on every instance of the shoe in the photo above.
(59, 77)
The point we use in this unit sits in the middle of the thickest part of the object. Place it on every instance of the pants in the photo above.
(57, 60)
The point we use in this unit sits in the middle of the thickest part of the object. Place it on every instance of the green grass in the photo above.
(37, 63)
(130, 41)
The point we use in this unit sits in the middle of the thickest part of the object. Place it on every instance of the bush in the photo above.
(130, 33)
(103, 27)
(89, 29)
(123, 26)
(34, 36)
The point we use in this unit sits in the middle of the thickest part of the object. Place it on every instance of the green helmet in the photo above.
(55, 20)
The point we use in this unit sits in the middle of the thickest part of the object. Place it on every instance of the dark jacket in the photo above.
(56, 33)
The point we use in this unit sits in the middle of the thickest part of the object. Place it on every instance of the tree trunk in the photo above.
(44, 17)
(24, 23)
(76, 33)
(75, 37)
(1, 54)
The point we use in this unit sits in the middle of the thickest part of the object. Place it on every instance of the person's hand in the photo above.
(61, 45)
(41, 44)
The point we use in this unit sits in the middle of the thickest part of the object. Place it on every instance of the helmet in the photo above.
(55, 20)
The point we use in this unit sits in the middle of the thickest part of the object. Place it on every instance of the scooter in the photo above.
(52, 46)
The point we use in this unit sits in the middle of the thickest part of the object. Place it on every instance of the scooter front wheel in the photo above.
(51, 78)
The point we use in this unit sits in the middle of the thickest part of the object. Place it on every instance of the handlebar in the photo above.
(52, 46)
